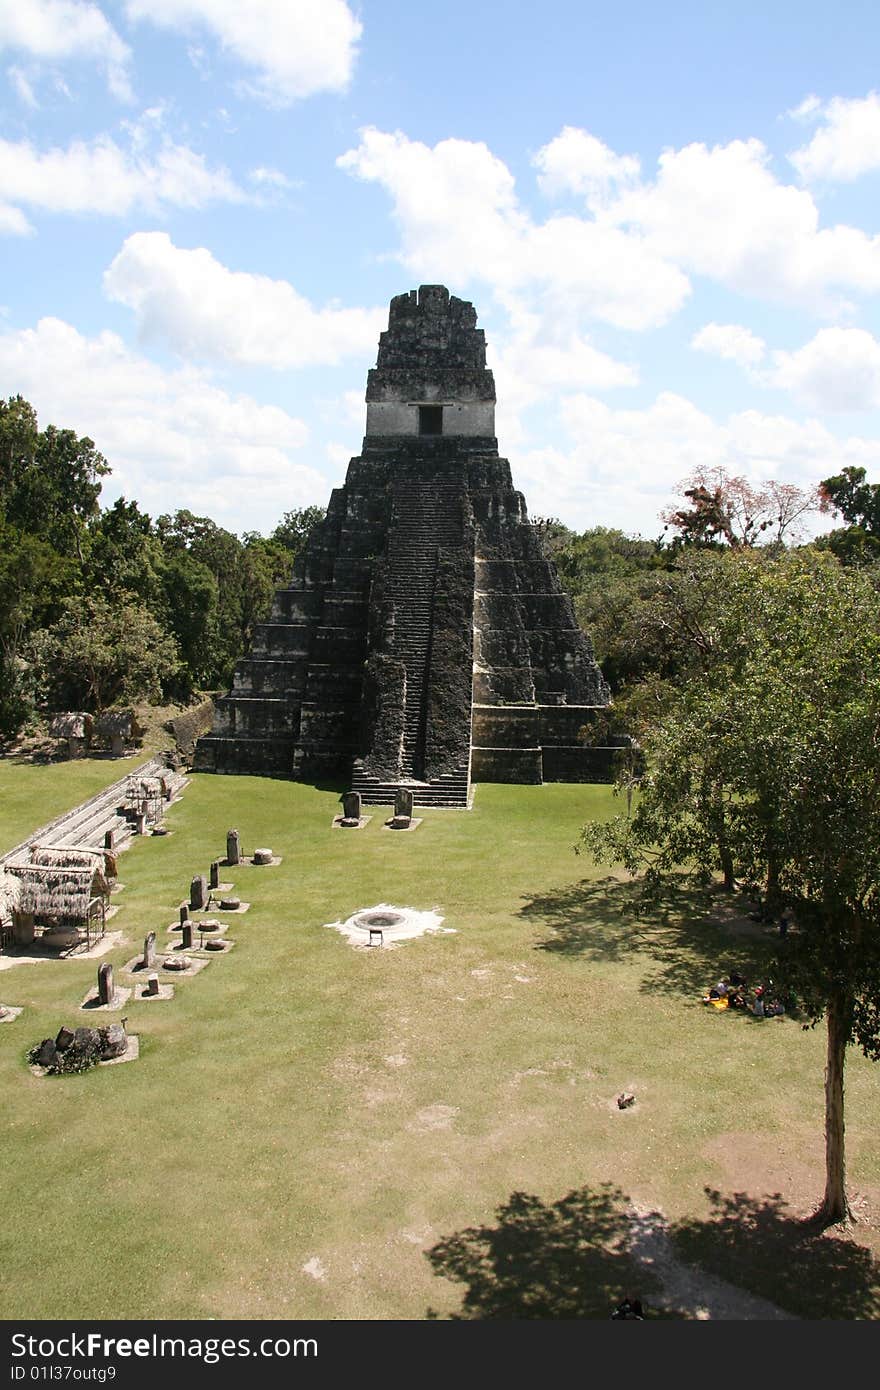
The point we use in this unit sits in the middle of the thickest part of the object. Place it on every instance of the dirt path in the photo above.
(688, 1288)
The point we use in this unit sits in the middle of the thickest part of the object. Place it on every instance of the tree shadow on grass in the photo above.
(758, 1244)
(610, 920)
(567, 1259)
(575, 1258)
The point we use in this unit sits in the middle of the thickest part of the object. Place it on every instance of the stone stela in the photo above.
(198, 893)
(351, 808)
(105, 983)
(403, 809)
(424, 638)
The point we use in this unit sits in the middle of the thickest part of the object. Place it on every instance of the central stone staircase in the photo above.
(426, 518)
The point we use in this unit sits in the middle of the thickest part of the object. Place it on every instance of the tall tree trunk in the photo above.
(835, 1206)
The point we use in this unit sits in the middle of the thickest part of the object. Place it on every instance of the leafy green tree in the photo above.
(266, 566)
(49, 479)
(295, 527)
(100, 653)
(221, 554)
(848, 495)
(190, 611)
(124, 555)
(765, 764)
(33, 581)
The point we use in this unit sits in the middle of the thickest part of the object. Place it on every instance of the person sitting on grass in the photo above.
(630, 1310)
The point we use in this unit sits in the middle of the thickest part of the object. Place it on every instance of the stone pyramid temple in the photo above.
(424, 639)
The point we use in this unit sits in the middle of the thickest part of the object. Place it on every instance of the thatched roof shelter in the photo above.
(73, 724)
(64, 857)
(10, 892)
(146, 795)
(122, 723)
(61, 894)
(61, 857)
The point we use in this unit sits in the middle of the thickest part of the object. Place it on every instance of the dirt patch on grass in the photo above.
(761, 1167)
(757, 1164)
(434, 1117)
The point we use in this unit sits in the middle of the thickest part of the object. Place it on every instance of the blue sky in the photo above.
(667, 216)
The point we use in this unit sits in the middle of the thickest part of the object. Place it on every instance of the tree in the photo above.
(222, 554)
(766, 765)
(49, 480)
(190, 609)
(33, 581)
(729, 510)
(124, 554)
(849, 496)
(99, 654)
(295, 527)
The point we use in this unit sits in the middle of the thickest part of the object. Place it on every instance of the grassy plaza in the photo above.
(317, 1131)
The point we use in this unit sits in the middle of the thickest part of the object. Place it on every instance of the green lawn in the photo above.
(322, 1132)
(31, 795)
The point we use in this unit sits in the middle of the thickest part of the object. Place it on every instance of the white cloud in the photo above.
(807, 110)
(536, 362)
(460, 220)
(716, 212)
(270, 178)
(624, 465)
(172, 438)
(839, 369)
(194, 303)
(846, 145)
(101, 177)
(730, 341)
(23, 87)
(721, 213)
(577, 162)
(53, 30)
(13, 221)
(296, 47)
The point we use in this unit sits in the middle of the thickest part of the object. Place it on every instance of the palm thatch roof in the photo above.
(119, 721)
(146, 794)
(10, 891)
(100, 861)
(60, 894)
(73, 724)
(63, 857)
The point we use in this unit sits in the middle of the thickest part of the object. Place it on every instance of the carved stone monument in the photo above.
(214, 880)
(198, 893)
(105, 983)
(149, 951)
(233, 847)
(187, 937)
(351, 809)
(424, 636)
